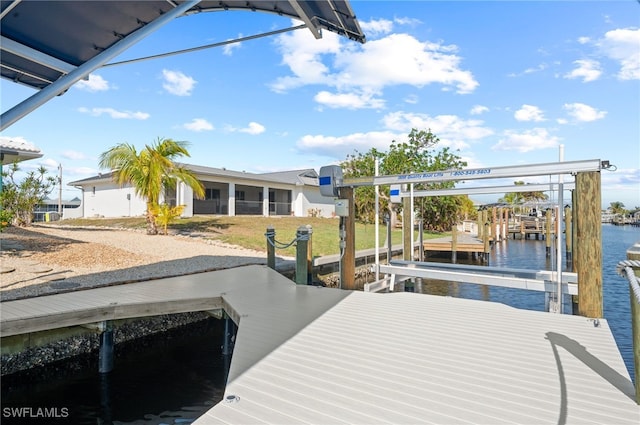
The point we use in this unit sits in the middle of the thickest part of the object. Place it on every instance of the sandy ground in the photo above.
(44, 259)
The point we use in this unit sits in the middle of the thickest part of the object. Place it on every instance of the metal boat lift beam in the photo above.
(487, 189)
(52, 90)
(543, 169)
(532, 280)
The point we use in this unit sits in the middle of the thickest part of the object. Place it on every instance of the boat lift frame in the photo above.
(396, 271)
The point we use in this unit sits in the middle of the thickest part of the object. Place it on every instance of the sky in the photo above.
(501, 83)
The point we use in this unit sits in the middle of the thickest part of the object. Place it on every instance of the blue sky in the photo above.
(505, 83)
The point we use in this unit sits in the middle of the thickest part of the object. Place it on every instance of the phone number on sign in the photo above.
(471, 172)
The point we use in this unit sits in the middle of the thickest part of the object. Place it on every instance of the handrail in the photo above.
(625, 268)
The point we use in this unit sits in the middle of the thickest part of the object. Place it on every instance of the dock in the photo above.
(306, 354)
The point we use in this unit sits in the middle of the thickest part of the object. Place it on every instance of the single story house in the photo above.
(49, 209)
(227, 192)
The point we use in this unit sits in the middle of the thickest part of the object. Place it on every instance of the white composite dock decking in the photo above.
(315, 355)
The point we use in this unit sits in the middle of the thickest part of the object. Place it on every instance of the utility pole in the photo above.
(60, 190)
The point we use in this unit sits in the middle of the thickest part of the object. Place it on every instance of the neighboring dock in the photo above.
(306, 354)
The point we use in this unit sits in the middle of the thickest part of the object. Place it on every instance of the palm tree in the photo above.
(617, 208)
(150, 171)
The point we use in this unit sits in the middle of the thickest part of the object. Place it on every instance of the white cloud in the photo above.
(526, 141)
(376, 27)
(354, 69)
(198, 124)
(402, 59)
(74, 155)
(115, 114)
(349, 100)
(411, 99)
(79, 171)
(452, 130)
(175, 82)
(340, 147)
(49, 164)
(532, 70)
(529, 113)
(583, 113)
(254, 128)
(95, 83)
(623, 45)
(228, 49)
(479, 109)
(583, 40)
(587, 69)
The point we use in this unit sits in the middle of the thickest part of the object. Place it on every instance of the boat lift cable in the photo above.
(207, 46)
(625, 269)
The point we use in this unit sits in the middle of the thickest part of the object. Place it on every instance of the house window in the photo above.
(240, 195)
(212, 194)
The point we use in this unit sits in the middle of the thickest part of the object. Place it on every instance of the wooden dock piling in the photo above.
(271, 248)
(568, 235)
(454, 244)
(348, 267)
(547, 232)
(588, 259)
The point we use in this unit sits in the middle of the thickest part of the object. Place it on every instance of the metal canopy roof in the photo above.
(45, 41)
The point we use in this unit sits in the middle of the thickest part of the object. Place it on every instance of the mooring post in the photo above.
(105, 358)
(480, 224)
(309, 255)
(387, 220)
(568, 236)
(454, 243)
(407, 229)
(421, 240)
(494, 225)
(506, 223)
(349, 259)
(271, 247)
(302, 237)
(634, 254)
(486, 242)
(588, 259)
(547, 232)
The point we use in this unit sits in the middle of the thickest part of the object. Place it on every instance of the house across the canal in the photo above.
(227, 192)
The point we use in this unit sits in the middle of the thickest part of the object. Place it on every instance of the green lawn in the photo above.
(248, 231)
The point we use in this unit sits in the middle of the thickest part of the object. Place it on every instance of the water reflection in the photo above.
(170, 378)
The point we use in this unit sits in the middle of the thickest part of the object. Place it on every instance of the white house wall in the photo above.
(315, 201)
(110, 200)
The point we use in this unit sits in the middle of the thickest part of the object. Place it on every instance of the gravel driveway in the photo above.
(43, 259)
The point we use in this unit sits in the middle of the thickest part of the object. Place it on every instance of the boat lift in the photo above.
(554, 283)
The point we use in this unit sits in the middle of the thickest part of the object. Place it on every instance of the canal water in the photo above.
(174, 378)
(171, 378)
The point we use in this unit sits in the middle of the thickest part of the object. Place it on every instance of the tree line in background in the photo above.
(418, 154)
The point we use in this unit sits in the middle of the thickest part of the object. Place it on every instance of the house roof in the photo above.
(53, 44)
(305, 177)
(13, 150)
